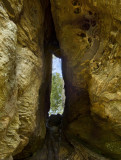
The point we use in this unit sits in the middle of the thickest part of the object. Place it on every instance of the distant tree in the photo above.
(57, 95)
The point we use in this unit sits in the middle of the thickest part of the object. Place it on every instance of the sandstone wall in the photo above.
(22, 118)
(89, 37)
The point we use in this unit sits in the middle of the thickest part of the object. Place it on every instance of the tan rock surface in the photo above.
(9, 118)
(89, 35)
(29, 73)
(21, 115)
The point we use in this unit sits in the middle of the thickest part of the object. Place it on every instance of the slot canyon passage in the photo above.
(57, 96)
(86, 35)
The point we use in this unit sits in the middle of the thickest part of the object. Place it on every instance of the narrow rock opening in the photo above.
(57, 97)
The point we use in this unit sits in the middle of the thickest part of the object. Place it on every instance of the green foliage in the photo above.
(57, 94)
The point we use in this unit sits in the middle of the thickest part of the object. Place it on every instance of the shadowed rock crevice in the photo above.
(86, 35)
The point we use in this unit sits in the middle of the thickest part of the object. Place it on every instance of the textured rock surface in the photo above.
(29, 73)
(21, 77)
(57, 147)
(9, 118)
(88, 33)
(89, 36)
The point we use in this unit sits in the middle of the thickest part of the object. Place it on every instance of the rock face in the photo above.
(22, 117)
(88, 33)
(89, 36)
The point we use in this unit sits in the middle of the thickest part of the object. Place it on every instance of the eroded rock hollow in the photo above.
(87, 37)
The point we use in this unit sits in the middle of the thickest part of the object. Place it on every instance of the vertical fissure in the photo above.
(55, 94)
(57, 97)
